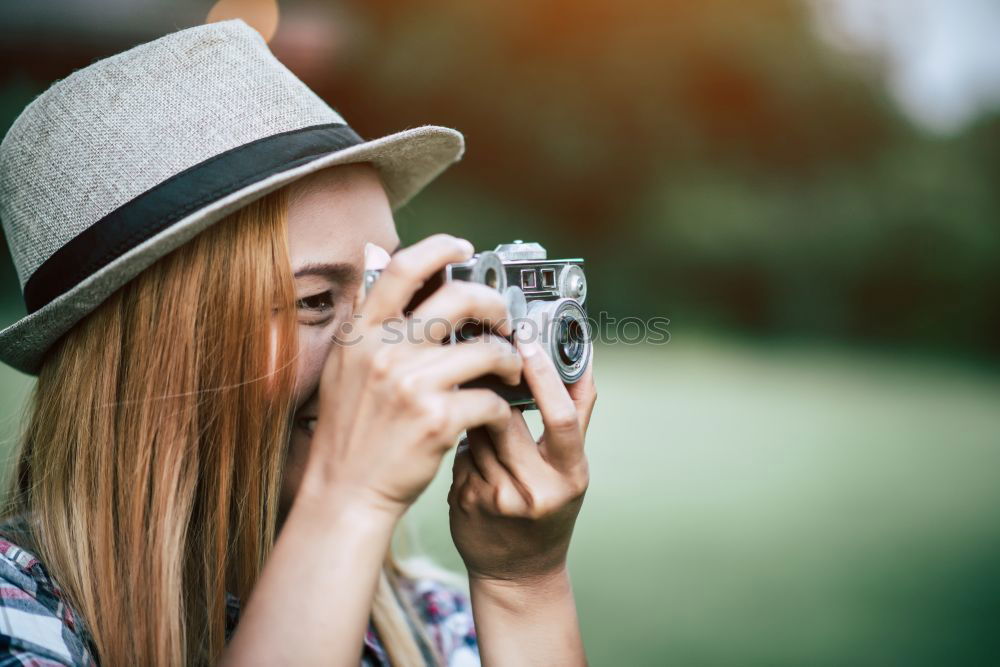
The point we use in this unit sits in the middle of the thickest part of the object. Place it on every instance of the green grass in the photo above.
(781, 505)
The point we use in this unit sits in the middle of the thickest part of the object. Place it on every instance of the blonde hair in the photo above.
(150, 464)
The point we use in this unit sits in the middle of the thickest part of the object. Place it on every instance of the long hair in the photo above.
(150, 463)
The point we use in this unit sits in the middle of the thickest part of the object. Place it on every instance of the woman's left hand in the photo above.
(514, 501)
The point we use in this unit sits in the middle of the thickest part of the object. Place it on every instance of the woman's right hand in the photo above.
(388, 405)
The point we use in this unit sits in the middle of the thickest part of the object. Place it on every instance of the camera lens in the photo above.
(562, 329)
(571, 340)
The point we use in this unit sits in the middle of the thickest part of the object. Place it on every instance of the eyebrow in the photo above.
(339, 272)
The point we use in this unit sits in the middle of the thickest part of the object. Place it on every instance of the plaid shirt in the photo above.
(39, 629)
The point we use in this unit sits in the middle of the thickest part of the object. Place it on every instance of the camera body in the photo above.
(545, 295)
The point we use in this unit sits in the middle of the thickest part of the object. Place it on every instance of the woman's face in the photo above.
(332, 214)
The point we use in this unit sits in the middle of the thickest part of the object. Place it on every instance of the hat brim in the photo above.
(407, 161)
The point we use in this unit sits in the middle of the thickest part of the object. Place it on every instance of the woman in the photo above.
(219, 431)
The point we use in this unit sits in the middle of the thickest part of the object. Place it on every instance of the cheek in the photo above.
(314, 346)
(295, 464)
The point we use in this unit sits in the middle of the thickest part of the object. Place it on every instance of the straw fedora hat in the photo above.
(123, 161)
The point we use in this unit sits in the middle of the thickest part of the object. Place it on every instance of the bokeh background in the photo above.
(808, 473)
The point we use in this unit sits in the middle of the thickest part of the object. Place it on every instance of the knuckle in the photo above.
(578, 482)
(381, 364)
(501, 408)
(506, 499)
(436, 421)
(564, 421)
(406, 386)
(542, 506)
(468, 501)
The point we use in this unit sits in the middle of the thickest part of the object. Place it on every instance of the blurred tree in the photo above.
(714, 161)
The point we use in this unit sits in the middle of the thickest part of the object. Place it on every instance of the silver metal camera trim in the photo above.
(573, 283)
(517, 303)
(545, 314)
(545, 307)
(519, 251)
(482, 263)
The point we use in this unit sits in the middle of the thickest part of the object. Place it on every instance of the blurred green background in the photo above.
(807, 474)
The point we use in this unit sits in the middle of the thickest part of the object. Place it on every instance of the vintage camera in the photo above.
(545, 294)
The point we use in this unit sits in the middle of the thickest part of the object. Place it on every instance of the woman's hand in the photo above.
(513, 506)
(388, 405)
(514, 501)
(388, 411)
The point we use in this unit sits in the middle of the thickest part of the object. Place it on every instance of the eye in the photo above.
(315, 302)
(316, 307)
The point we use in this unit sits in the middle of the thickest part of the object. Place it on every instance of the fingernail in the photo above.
(467, 246)
(521, 332)
(525, 341)
(375, 256)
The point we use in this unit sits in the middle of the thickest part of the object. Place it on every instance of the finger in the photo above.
(484, 457)
(376, 257)
(408, 270)
(461, 471)
(562, 443)
(516, 448)
(460, 301)
(443, 367)
(470, 408)
(463, 465)
(496, 489)
(583, 392)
